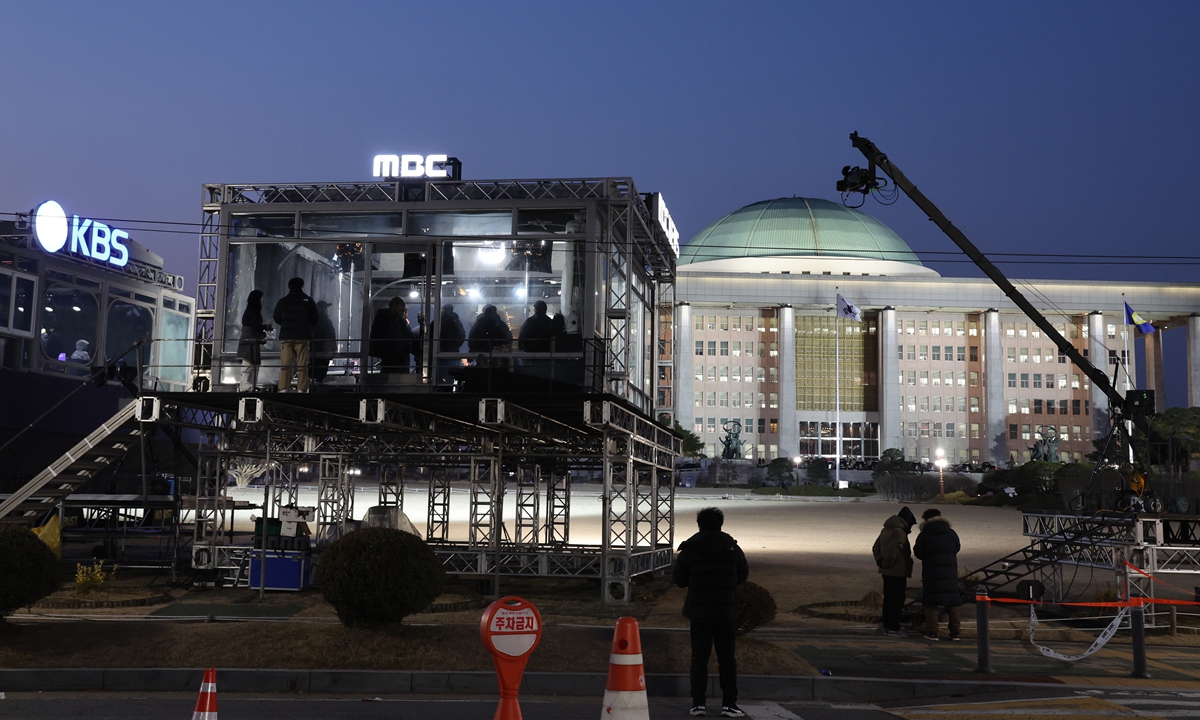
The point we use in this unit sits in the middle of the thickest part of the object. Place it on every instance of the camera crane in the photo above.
(1137, 406)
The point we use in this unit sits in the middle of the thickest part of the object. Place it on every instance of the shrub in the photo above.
(756, 607)
(93, 577)
(377, 576)
(818, 469)
(28, 569)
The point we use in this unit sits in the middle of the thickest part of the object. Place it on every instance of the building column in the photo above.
(1193, 360)
(1098, 356)
(890, 435)
(1155, 380)
(789, 430)
(995, 408)
(683, 366)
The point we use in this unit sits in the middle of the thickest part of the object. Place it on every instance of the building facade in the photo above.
(936, 362)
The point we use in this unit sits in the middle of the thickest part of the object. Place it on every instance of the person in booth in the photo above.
(250, 341)
(392, 337)
(453, 335)
(489, 333)
(296, 315)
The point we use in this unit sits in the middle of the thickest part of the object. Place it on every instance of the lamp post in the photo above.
(796, 472)
(941, 466)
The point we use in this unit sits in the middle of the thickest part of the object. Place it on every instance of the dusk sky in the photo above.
(1062, 128)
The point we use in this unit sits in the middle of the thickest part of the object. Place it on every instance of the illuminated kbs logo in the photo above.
(410, 166)
(89, 238)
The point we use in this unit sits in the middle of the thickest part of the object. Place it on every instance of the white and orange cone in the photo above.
(625, 690)
(206, 704)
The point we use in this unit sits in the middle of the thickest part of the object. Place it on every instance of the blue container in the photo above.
(286, 570)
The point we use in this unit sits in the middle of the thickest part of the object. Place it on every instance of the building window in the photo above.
(1037, 381)
(748, 324)
(748, 373)
(712, 424)
(937, 353)
(711, 399)
(761, 324)
(899, 352)
(1112, 332)
(699, 425)
(774, 426)
(724, 373)
(699, 324)
(737, 349)
(736, 374)
(762, 349)
(724, 399)
(1025, 432)
(1062, 358)
(699, 398)
(974, 431)
(962, 378)
(923, 327)
(1112, 357)
(912, 377)
(762, 426)
(962, 353)
(912, 352)
(974, 353)
(937, 379)
(937, 430)
(912, 403)
(1012, 406)
(1075, 407)
(1012, 432)
(774, 374)
(911, 327)
(1010, 329)
(1011, 354)
(774, 349)
(737, 322)
(1049, 407)
(774, 400)
(962, 403)
(762, 374)
(923, 427)
(937, 404)
(949, 430)
(1024, 330)
(725, 322)
(937, 327)
(924, 378)
(1062, 407)
(1087, 407)
(1037, 406)
(712, 347)
(736, 399)
(1024, 406)
(700, 347)
(712, 373)
(924, 403)
(973, 329)
(1012, 380)
(974, 378)
(923, 352)
(974, 404)
(712, 322)
(762, 401)
(724, 348)
(1025, 380)
(1024, 354)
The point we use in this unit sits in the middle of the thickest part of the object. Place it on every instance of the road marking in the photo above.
(1076, 708)
(770, 711)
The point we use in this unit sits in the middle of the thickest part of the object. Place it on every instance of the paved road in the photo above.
(1073, 705)
(112, 706)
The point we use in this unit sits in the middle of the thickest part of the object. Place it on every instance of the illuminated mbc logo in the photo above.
(410, 166)
(89, 238)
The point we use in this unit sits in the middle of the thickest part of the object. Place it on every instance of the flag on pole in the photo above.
(848, 309)
(1132, 318)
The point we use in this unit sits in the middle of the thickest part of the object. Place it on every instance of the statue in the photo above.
(1046, 448)
(731, 444)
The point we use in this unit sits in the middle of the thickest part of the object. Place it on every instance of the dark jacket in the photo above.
(296, 315)
(536, 333)
(453, 332)
(711, 566)
(391, 339)
(937, 548)
(891, 550)
(253, 336)
(489, 332)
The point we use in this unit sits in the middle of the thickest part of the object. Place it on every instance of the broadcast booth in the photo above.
(528, 362)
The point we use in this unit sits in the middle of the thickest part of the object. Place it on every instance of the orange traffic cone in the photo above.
(206, 704)
(625, 691)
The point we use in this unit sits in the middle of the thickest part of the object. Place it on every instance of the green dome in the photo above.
(797, 227)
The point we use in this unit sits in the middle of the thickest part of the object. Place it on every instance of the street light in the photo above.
(796, 473)
(941, 466)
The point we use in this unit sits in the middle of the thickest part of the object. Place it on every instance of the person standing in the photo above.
(296, 315)
(452, 337)
(392, 337)
(253, 336)
(711, 566)
(894, 559)
(537, 330)
(937, 548)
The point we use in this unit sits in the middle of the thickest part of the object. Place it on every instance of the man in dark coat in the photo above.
(711, 566)
(894, 559)
(296, 315)
(392, 337)
(452, 335)
(537, 330)
(937, 548)
(489, 332)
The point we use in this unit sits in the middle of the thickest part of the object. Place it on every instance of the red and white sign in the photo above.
(510, 629)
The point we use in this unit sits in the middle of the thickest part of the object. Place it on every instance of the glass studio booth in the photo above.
(515, 285)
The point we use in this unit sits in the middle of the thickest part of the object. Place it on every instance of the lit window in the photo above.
(974, 404)
(1024, 354)
(1112, 332)
(1074, 381)
(1025, 433)
(737, 348)
(912, 403)
(1012, 406)
(972, 329)
(937, 327)
(699, 425)
(774, 349)
(962, 378)
(1024, 406)
(712, 322)
(923, 327)
(1024, 331)
(1010, 329)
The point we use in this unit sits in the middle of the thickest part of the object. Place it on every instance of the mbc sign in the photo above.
(89, 238)
(410, 166)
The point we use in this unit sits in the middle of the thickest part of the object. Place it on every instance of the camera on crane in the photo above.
(856, 179)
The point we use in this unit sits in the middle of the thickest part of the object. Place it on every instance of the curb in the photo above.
(399, 682)
(88, 604)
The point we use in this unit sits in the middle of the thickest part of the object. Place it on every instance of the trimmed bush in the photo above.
(377, 576)
(28, 569)
(756, 607)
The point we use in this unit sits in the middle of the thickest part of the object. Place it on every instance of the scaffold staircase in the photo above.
(1090, 541)
(91, 456)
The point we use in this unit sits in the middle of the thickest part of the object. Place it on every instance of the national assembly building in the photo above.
(937, 362)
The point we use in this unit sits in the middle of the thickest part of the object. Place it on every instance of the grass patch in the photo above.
(809, 491)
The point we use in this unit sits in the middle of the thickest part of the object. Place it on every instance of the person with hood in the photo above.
(253, 336)
(894, 559)
(711, 566)
(452, 337)
(296, 315)
(392, 337)
(489, 333)
(937, 548)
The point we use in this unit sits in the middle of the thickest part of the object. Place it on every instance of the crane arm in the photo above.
(877, 159)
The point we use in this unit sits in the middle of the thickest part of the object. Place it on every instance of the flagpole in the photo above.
(1125, 337)
(837, 392)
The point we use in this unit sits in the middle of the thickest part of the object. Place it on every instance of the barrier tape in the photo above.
(1096, 645)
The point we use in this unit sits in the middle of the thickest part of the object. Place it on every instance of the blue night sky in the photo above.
(1038, 127)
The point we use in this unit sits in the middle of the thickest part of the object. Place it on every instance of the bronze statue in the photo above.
(731, 444)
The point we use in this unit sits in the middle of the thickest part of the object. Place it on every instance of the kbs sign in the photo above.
(410, 166)
(89, 238)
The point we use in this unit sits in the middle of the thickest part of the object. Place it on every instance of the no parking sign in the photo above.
(510, 629)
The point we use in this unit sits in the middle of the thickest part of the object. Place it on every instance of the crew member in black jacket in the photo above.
(711, 566)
